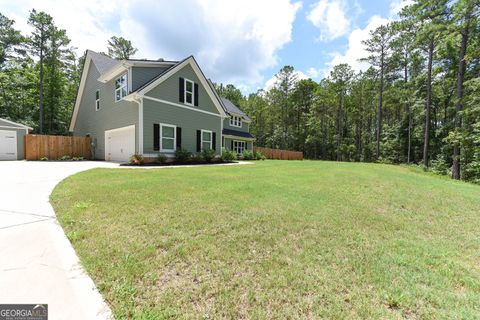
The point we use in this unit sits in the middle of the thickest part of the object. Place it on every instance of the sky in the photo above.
(243, 42)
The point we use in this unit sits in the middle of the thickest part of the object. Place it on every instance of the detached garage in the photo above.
(12, 140)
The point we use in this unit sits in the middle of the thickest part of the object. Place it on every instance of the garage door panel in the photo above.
(120, 144)
(8, 145)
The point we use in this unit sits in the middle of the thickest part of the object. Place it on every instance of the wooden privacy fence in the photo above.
(279, 154)
(54, 147)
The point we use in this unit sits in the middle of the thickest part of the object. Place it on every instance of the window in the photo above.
(97, 100)
(121, 87)
(238, 146)
(168, 139)
(206, 140)
(189, 86)
(236, 121)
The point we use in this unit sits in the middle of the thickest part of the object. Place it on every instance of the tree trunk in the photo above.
(380, 107)
(426, 140)
(41, 89)
(458, 104)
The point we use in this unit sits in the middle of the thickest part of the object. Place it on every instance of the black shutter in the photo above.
(179, 137)
(156, 136)
(195, 95)
(199, 141)
(214, 141)
(181, 89)
(231, 145)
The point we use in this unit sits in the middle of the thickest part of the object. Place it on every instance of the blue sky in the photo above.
(244, 42)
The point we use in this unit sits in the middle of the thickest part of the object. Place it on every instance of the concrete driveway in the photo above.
(37, 262)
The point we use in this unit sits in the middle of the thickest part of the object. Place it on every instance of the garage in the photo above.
(120, 144)
(12, 140)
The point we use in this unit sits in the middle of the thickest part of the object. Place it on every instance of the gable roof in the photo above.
(14, 124)
(102, 62)
(231, 108)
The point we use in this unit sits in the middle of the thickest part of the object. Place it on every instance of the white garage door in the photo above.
(8, 145)
(120, 144)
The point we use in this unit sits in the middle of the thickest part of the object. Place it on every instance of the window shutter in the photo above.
(181, 89)
(199, 141)
(179, 137)
(195, 95)
(214, 141)
(156, 136)
(231, 145)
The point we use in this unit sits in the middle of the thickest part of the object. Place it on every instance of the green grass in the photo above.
(298, 239)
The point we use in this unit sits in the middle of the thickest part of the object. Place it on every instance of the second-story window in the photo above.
(121, 87)
(97, 100)
(236, 121)
(189, 87)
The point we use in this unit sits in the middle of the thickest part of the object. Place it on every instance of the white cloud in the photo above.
(355, 49)
(270, 83)
(397, 5)
(234, 41)
(330, 17)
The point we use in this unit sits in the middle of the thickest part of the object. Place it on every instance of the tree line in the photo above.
(418, 102)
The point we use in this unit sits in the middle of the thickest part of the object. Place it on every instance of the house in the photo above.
(12, 140)
(153, 107)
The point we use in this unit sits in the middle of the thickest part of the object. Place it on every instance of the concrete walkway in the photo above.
(37, 262)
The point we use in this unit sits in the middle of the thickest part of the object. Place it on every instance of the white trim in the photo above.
(185, 80)
(191, 61)
(236, 121)
(140, 127)
(181, 106)
(174, 137)
(202, 141)
(16, 128)
(240, 142)
(97, 101)
(21, 126)
(129, 80)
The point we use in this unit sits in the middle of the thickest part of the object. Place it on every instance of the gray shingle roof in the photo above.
(230, 107)
(102, 62)
(237, 133)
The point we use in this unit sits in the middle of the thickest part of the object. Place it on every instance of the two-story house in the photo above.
(153, 107)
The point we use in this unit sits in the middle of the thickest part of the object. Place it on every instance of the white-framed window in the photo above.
(168, 137)
(238, 146)
(121, 85)
(189, 87)
(97, 100)
(236, 121)
(207, 137)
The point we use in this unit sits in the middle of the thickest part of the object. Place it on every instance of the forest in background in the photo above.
(417, 103)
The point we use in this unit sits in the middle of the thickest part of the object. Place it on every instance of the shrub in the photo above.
(439, 165)
(136, 159)
(161, 159)
(208, 155)
(197, 158)
(260, 156)
(228, 155)
(44, 159)
(65, 158)
(78, 159)
(182, 155)
(247, 155)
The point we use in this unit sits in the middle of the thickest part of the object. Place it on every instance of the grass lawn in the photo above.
(277, 239)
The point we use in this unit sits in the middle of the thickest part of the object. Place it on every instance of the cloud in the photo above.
(233, 41)
(330, 17)
(355, 49)
(270, 83)
(397, 5)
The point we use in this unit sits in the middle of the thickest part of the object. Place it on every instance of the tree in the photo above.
(120, 48)
(42, 27)
(378, 45)
(9, 39)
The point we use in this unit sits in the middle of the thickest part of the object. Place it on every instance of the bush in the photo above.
(197, 158)
(44, 159)
(439, 165)
(260, 156)
(78, 159)
(228, 155)
(136, 159)
(64, 158)
(161, 159)
(208, 155)
(182, 155)
(247, 155)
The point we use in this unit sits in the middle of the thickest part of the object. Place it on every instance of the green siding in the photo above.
(168, 90)
(110, 116)
(190, 121)
(244, 128)
(142, 75)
